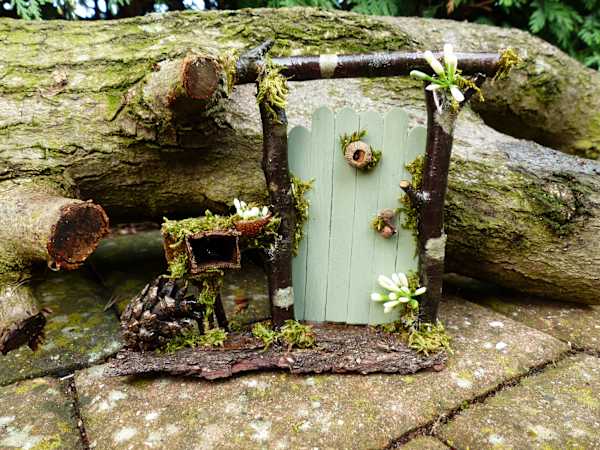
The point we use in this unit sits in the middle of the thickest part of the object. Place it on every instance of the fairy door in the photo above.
(341, 255)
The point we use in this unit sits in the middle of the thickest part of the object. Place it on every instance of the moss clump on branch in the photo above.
(228, 60)
(508, 59)
(272, 90)
(301, 205)
(292, 334)
(410, 213)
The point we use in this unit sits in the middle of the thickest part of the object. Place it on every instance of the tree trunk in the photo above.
(76, 108)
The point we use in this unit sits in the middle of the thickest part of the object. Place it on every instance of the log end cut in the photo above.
(76, 234)
(29, 331)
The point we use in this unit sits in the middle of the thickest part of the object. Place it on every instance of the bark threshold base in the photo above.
(339, 349)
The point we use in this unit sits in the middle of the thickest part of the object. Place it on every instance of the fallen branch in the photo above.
(339, 349)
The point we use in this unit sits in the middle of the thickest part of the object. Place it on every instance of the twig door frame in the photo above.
(428, 199)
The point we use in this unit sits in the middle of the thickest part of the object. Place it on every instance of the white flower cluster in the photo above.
(247, 213)
(447, 75)
(400, 293)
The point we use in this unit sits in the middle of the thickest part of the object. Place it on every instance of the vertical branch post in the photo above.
(275, 167)
(431, 236)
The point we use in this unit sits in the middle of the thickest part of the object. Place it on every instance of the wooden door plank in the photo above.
(318, 227)
(363, 235)
(299, 147)
(342, 221)
(391, 170)
(407, 259)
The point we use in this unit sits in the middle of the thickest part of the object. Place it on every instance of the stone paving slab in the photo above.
(578, 324)
(37, 415)
(556, 409)
(78, 334)
(278, 410)
(424, 443)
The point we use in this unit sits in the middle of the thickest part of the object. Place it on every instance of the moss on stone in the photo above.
(312, 31)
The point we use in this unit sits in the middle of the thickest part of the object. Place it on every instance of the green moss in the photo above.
(179, 229)
(429, 338)
(214, 337)
(228, 60)
(49, 443)
(313, 31)
(272, 90)
(559, 202)
(178, 266)
(410, 213)
(301, 205)
(413, 280)
(347, 139)
(292, 334)
(509, 58)
(265, 333)
(298, 335)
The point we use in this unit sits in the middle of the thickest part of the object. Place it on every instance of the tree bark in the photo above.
(340, 349)
(519, 214)
(277, 175)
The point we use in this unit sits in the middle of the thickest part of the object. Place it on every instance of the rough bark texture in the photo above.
(517, 213)
(339, 350)
(277, 175)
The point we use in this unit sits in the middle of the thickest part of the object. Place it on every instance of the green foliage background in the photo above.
(573, 25)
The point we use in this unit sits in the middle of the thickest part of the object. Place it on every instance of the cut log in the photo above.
(21, 320)
(339, 349)
(39, 225)
(517, 213)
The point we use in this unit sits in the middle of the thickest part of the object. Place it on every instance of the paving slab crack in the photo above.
(71, 391)
(430, 428)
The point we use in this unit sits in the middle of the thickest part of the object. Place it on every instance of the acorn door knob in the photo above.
(358, 154)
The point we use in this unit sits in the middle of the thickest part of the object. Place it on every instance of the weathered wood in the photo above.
(340, 349)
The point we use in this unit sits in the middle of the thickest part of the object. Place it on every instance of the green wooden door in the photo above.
(341, 255)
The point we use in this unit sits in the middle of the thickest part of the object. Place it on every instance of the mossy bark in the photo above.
(70, 113)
